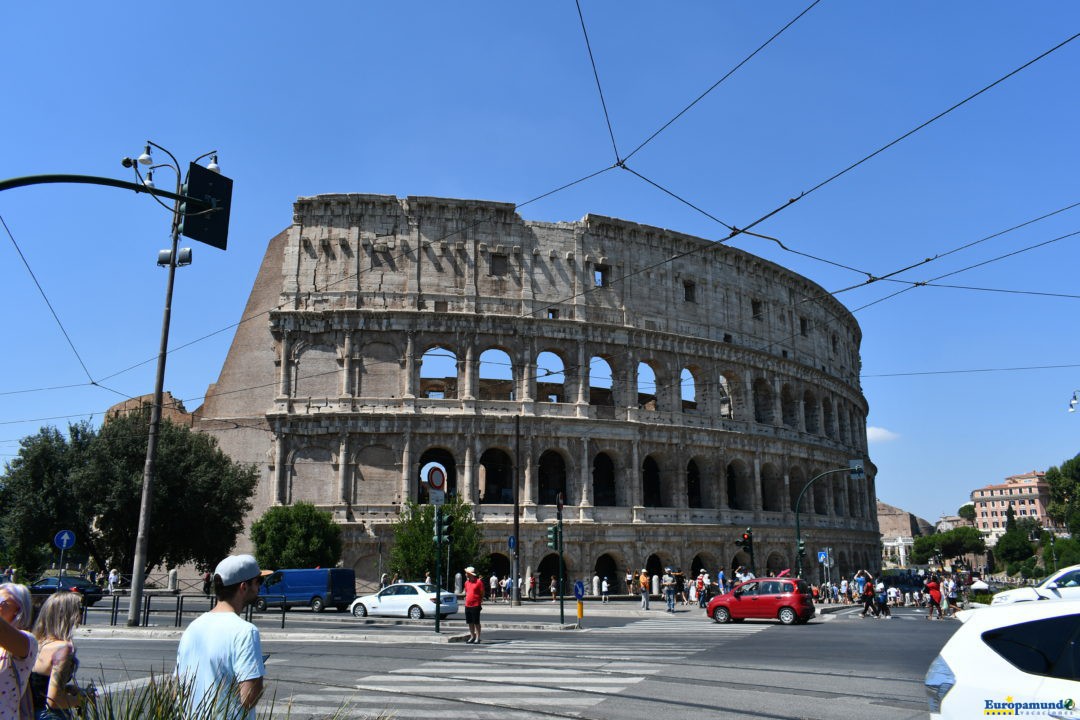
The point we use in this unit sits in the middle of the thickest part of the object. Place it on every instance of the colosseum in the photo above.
(673, 389)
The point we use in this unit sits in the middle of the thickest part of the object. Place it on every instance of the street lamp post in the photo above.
(178, 214)
(855, 466)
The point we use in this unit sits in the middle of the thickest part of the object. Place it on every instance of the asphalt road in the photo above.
(623, 664)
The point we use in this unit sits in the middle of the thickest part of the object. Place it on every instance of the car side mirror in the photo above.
(1051, 586)
(737, 592)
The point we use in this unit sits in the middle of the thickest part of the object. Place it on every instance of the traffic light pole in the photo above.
(800, 550)
(438, 564)
(562, 594)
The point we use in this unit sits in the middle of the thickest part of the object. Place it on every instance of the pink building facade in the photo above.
(1028, 494)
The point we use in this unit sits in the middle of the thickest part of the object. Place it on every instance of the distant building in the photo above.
(172, 409)
(951, 522)
(899, 528)
(1028, 494)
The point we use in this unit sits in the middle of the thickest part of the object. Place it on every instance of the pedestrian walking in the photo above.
(18, 651)
(629, 582)
(220, 655)
(933, 590)
(474, 600)
(605, 590)
(643, 588)
(53, 685)
(114, 580)
(553, 587)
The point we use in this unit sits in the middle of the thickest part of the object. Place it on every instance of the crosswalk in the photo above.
(513, 680)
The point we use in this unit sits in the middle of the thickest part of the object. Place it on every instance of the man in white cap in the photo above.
(220, 656)
(474, 598)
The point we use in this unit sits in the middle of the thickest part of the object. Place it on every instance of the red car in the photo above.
(788, 600)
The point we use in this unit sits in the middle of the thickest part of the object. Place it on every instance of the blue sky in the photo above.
(497, 101)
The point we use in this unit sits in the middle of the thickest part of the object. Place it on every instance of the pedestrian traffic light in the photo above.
(748, 541)
(553, 537)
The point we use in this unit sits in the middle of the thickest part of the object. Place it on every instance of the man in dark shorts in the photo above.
(474, 598)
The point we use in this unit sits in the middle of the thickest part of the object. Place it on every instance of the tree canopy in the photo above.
(413, 553)
(1064, 506)
(296, 536)
(947, 545)
(1013, 546)
(967, 512)
(91, 482)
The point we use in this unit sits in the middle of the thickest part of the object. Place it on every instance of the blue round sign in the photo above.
(64, 539)
(579, 590)
(511, 542)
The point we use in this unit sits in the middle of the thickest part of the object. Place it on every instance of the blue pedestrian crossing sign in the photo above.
(64, 539)
(823, 556)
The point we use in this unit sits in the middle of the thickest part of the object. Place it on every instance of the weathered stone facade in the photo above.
(733, 382)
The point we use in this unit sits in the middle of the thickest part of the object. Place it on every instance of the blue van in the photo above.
(317, 589)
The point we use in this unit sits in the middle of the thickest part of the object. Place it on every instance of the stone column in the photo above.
(635, 474)
(585, 475)
(344, 496)
(468, 490)
(528, 371)
(469, 379)
(530, 473)
(281, 474)
(582, 375)
(410, 365)
(801, 420)
(408, 487)
(749, 401)
(778, 406)
(284, 365)
(785, 498)
(347, 365)
(629, 382)
(757, 485)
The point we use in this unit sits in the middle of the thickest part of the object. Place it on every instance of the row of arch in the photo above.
(649, 384)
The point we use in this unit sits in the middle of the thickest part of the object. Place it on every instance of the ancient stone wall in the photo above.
(673, 390)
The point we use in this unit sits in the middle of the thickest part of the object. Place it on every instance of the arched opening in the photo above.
(723, 398)
(438, 374)
(740, 487)
(789, 407)
(646, 386)
(550, 378)
(552, 478)
(496, 376)
(796, 483)
(688, 390)
(821, 496)
(693, 485)
(827, 418)
(842, 418)
(810, 415)
(600, 382)
(763, 402)
(739, 560)
(650, 483)
(839, 493)
(496, 478)
(606, 567)
(654, 565)
(498, 564)
(772, 488)
(775, 563)
(603, 479)
(706, 562)
(444, 458)
(548, 575)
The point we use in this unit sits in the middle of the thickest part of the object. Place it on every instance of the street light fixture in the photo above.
(1074, 401)
(173, 260)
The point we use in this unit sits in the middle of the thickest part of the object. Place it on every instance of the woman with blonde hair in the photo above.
(18, 651)
(53, 679)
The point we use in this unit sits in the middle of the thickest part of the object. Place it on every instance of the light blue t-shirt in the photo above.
(219, 648)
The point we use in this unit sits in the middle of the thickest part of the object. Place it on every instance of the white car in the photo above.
(411, 600)
(1062, 585)
(1019, 659)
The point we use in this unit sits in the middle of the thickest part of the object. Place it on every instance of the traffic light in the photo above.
(553, 537)
(443, 528)
(802, 548)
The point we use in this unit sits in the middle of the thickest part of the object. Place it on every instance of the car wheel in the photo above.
(260, 605)
(317, 604)
(721, 614)
(359, 611)
(415, 613)
(787, 616)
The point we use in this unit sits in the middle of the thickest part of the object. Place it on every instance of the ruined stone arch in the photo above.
(740, 485)
(652, 485)
(724, 394)
(772, 488)
(312, 472)
(375, 476)
(495, 374)
(316, 369)
(688, 389)
(605, 487)
(707, 561)
(445, 457)
(496, 477)
(601, 377)
(695, 481)
(647, 385)
(763, 401)
(439, 372)
(551, 376)
(776, 562)
(789, 406)
(552, 475)
(377, 371)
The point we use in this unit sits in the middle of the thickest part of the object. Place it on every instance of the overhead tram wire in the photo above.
(716, 84)
(596, 76)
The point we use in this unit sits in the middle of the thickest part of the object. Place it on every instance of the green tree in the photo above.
(91, 483)
(413, 553)
(1013, 547)
(1064, 505)
(924, 549)
(1010, 519)
(296, 536)
(961, 541)
(967, 512)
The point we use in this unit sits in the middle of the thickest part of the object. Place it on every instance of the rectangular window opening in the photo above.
(689, 292)
(756, 309)
(553, 314)
(601, 276)
(500, 264)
